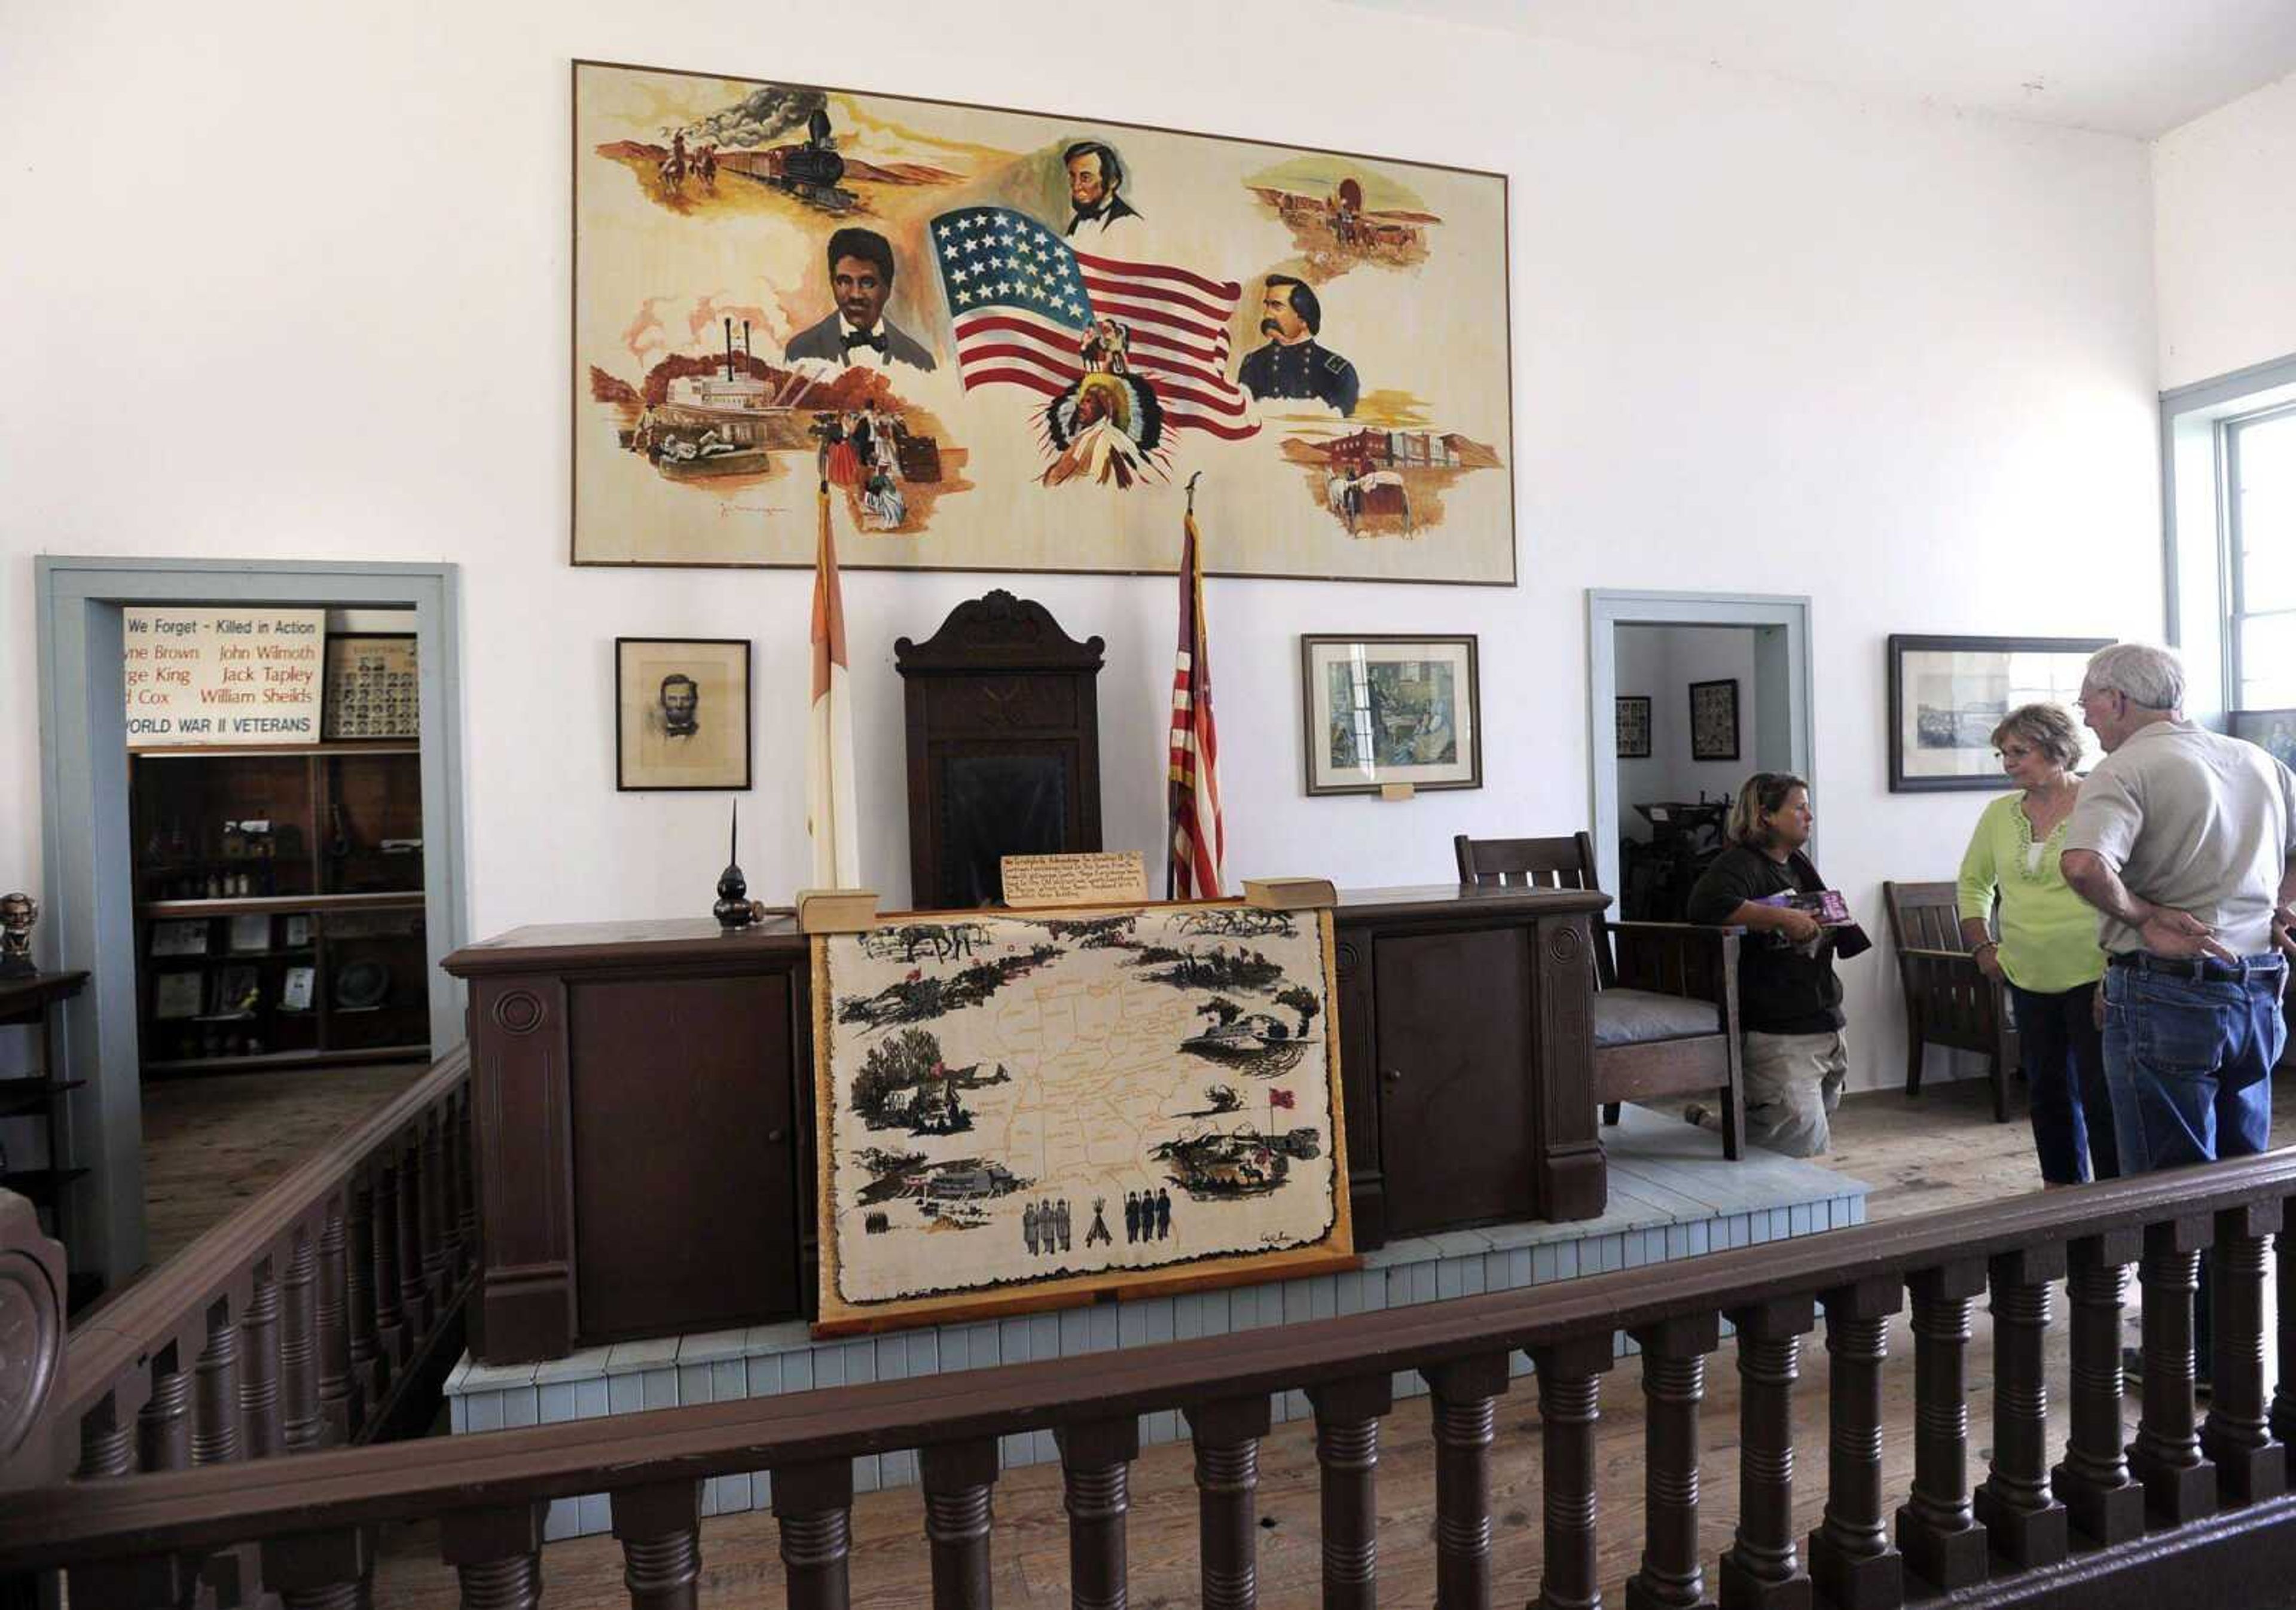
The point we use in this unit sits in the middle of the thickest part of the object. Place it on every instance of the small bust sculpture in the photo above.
(18, 913)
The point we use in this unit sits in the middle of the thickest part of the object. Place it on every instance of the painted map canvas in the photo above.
(1007, 340)
(1015, 1105)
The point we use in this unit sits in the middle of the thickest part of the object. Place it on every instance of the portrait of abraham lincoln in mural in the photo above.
(1007, 341)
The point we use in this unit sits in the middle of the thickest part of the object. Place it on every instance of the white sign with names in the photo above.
(224, 677)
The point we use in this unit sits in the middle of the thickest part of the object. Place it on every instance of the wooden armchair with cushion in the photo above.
(1666, 994)
(1947, 1001)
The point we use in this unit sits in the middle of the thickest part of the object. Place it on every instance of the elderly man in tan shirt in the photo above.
(2185, 841)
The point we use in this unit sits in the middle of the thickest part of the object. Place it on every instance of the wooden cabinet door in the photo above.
(1454, 1077)
(684, 1139)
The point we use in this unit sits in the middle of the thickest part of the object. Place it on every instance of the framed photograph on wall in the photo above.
(2272, 731)
(682, 712)
(1946, 694)
(1380, 710)
(374, 687)
(1634, 726)
(1714, 719)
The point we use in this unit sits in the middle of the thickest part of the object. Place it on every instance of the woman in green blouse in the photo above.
(2047, 952)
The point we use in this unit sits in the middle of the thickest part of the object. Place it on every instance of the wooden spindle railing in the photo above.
(2217, 1500)
(262, 1338)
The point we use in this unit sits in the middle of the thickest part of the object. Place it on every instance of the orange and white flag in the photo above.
(831, 819)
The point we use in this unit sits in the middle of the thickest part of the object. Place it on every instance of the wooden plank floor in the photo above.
(212, 1145)
(1941, 1151)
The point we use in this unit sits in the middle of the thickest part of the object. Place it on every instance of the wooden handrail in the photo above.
(120, 1335)
(183, 1511)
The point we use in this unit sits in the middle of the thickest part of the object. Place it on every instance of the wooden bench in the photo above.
(1948, 1001)
(1666, 994)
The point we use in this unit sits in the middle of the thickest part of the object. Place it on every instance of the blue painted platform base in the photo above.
(1672, 1195)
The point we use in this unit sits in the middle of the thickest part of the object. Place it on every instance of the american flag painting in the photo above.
(1024, 304)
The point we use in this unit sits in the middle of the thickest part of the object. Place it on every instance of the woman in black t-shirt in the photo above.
(1789, 1000)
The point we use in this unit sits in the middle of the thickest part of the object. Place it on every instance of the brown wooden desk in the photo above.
(644, 1103)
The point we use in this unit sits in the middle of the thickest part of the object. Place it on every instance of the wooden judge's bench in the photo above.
(642, 1093)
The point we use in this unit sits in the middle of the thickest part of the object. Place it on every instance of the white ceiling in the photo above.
(2125, 66)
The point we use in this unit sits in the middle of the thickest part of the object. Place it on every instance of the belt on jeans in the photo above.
(2199, 970)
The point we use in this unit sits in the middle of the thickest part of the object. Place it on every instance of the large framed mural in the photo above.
(1008, 341)
(1018, 1110)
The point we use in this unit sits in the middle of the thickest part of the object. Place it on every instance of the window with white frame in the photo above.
(2260, 514)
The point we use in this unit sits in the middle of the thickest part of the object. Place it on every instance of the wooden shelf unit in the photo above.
(329, 897)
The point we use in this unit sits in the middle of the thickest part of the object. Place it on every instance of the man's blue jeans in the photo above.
(2188, 1055)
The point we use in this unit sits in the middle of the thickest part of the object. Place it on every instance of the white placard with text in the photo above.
(222, 676)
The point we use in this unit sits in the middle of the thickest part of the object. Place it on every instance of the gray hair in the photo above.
(2147, 676)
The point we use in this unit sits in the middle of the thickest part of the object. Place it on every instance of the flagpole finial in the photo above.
(1193, 479)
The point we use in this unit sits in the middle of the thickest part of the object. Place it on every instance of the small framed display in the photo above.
(296, 987)
(1948, 694)
(1634, 726)
(2271, 731)
(682, 709)
(251, 932)
(1714, 719)
(177, 995)
(374, 688)
(1380, 709)
(180, 938)
(295, 931)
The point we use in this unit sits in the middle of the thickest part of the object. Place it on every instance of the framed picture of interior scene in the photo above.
(1380, 709)
(1007, 339)
(1634, 726)
(1946, 694)
(1714, 719)
(2274, 731)
(682, 712)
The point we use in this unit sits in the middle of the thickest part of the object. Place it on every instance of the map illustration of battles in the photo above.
(1008, 341)
(1013, 1102)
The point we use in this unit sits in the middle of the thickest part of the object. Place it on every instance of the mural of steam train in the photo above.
(812, 172)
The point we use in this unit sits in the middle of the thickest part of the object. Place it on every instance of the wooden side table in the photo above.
(41, 1093)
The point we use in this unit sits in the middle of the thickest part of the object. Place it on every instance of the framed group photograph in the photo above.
(1946, 694)
(1634, 726)
(2272, 731)
(1380, 709)
(682, 712)
(1714, 719)
(373, 688)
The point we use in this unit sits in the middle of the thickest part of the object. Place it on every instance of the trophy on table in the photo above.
(18, 913)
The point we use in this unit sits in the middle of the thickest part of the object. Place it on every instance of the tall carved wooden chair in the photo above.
(1666, 994)
(1947, 1001)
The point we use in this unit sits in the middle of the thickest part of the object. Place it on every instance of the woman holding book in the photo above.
(1789, 1000)
(2047, 953)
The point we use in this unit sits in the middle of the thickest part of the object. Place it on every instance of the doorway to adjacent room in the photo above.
(1690, 694)
(271, 905)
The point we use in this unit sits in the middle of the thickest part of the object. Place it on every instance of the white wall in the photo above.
(292, 281)
(2224, 237)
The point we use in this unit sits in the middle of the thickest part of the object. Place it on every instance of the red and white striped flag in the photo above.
(1198, 837)
(831, 819)
(1022, 301)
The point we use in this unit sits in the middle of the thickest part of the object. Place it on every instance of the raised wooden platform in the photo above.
(1672, 1197)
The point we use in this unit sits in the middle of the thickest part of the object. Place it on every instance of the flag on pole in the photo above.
(831, 818)
(1198, 837)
